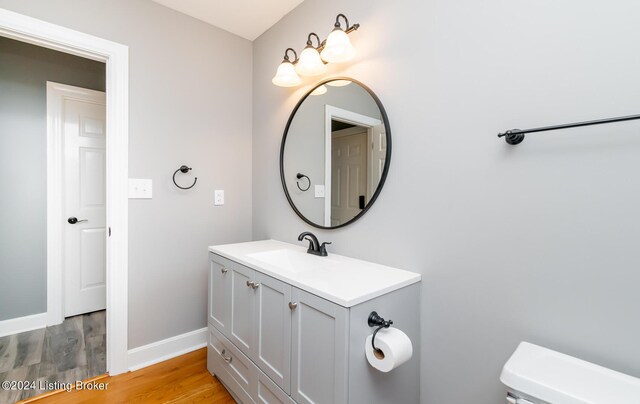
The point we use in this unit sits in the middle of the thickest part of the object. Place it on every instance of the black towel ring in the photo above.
(375, 320)
(300, 176)
(184, 169)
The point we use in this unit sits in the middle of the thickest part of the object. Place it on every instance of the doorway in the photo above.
(76, 138)
(355, 152)
(115, 56)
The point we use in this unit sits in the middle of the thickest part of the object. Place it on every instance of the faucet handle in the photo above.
(323, 248)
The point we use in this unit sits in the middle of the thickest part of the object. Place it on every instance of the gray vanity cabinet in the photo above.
(273, 343)
(319, 351)
(273, 329)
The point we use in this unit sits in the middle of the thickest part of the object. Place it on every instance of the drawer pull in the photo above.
(229, 359)
(250, 284)
(255, 285)
(224, 270)
(293, 305)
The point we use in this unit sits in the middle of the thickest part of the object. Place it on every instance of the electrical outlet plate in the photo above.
(319, 191)
(218, 198)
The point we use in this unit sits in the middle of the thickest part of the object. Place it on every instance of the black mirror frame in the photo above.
(385, 170)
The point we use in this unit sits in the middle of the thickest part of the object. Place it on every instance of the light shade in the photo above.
(286, 75)
(338, 83)
(338, 48)
(310, 63)
(319, 91)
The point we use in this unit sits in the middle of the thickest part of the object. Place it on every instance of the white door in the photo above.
(348, 176)
(84, 235)
(378, 156)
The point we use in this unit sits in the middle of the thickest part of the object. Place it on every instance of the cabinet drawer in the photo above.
(229, 363)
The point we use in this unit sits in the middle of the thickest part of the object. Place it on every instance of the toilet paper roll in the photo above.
(394, 349)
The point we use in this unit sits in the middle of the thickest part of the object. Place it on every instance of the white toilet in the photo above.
(537, 375)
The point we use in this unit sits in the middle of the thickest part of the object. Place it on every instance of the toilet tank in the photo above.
(539, 375)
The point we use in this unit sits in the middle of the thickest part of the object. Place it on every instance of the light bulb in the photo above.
(338, 48)
(319, 91)
(286, 75)
(310, 63)
(339, 83)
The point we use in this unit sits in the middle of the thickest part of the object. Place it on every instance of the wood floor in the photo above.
(63, 353)
(184, 379)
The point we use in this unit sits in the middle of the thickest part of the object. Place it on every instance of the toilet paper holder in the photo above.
(376, 321)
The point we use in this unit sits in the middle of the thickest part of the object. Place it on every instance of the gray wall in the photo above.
(24, 72)
(536, 242)
(190, 103)
(305, 148)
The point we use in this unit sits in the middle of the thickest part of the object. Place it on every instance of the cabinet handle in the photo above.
(255, 285)
(229, 359)
(250, 284)
(223, 270)
(293, 305)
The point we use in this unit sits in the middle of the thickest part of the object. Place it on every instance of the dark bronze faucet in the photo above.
(315, 247)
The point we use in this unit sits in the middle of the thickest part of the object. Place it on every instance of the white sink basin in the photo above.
(339, 279)
(293, 261)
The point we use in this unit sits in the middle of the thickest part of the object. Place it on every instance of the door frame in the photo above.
(342, 115)
(116, 57)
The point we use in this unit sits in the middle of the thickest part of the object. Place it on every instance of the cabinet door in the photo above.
(268, 393)
(219, 311)
(273, 330)
(319, 355)
(242, 313)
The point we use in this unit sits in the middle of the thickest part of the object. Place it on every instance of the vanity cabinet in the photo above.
(273, 342)
(261, 316)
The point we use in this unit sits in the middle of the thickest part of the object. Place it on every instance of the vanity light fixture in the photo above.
(310, 63)
(286, 75)
(337, 48)
(319, 91)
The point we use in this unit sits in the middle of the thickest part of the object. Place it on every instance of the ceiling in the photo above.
(246, 18)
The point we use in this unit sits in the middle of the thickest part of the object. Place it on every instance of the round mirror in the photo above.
(335, 153)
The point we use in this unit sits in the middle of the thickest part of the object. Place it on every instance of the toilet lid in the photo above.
(562, 379)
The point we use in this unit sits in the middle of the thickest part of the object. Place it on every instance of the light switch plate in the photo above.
(140, 188)
(218, 197)
(319, 191)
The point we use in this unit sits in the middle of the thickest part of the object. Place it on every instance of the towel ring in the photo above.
(375, 320)
(300, 176)
(184, 169)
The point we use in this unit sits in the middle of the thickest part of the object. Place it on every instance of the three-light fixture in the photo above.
(336, 48)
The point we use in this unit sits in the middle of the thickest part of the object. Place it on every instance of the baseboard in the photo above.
(22, 324)
(159, 351)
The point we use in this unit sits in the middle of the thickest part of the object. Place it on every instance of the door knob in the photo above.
(223, 270)
(293, 305)
(255, 285)
(74, 220)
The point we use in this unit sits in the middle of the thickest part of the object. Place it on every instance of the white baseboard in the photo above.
(159, 351)
(22, 324)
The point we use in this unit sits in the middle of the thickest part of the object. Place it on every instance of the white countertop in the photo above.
(342, 280)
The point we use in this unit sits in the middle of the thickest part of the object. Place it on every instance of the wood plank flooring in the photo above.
(184, 379)
(64, 353)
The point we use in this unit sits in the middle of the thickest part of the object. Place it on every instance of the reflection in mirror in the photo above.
(335, 153)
